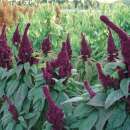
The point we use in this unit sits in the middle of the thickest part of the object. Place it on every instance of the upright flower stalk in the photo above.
(124, 38)
(85, 50)
(16, 37)
(55, 115)
(26, 50)
(106, 80)
(111, 48)
(62, 64)
(46, 45)
(5, 51)
(68, 47)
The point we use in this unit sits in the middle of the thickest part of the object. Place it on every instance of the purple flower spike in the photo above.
(85, 50)
(122, 34)
(12, 109)
(124, 38)
(5, 51)
(63, 57)
(55, 116)
(89, 89)
(46, 45)
(111, 49)
(65, 71)
(16, 36)
(26, 50)
(68, 46)
(106, 80)
(48, 74)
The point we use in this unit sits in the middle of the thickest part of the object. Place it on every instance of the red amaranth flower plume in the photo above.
(111, 48)
(46, 45)
(68, 46)
(16, 36)
(55, 115)
(89, 89)
(122, 34)
(26, 50)
(48, 74)
(106, 80)
(85, 50)
(125, 40)
(5, 51)
(63, 57)
(11, 108)
(64, 62)
(65, 70)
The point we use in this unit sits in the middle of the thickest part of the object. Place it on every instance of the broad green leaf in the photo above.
(89, 122)
(29, 115)
(126, 125)
(75, 125)
(118, 116)
(113, 97)
(12, 87)
(26, 67)
(7, 117)
(98, 100)
(124, 86)
(75, 99)
(10, 126)
(11, 72)
(20, 96)
(33, 120)
(67, 108)
(2, 87)
(18, 127)
(82, 110)
(19, 68)
(22, 122)
(34, 69)
(104, 115)
(28, 80)
(35, 94)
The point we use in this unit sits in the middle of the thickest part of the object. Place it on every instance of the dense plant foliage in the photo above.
(71, 86)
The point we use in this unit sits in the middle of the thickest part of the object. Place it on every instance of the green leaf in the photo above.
(126, 125)
(124, 86)
(98, 100)
(22, 122)
(67, 108)
(26, 67)
(82, 110)
(88, 123)
(2, 87)
(118, 116)
(20, 96)
(18, 127)
(12, 87)
(104, 115)
(10, 126)
(34, 69)
(33, 120)
(75, 99)
(113, 97)
(19, 68)
(11, 72)
(28, 80)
